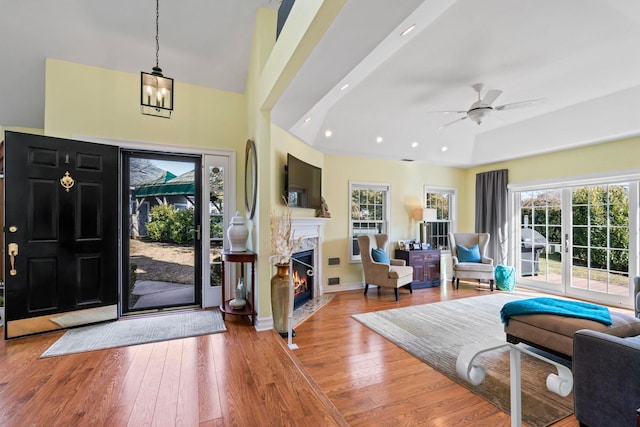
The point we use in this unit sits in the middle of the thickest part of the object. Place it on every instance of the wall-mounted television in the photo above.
(303, 184)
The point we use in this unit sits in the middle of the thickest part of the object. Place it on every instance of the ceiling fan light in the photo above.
(477, 115)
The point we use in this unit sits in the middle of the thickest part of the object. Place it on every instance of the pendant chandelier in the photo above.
(156, 91)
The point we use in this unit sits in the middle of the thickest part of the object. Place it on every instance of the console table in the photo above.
(426, 266)
(241, 257)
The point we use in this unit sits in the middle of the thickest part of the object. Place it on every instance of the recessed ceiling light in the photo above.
(414, 144)
(408, 30)
(344, 87)
(328, 133)
(379, 139)
(307, 120)
(445, 148)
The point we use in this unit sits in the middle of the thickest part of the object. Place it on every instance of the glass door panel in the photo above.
(541, 237)
(161, 245)
(600, 240)
(216, 177)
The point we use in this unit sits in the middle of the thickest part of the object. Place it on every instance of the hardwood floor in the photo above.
(342, 374)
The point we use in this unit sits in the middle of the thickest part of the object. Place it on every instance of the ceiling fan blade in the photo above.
(521, 104)
(452, 122)
(447, 112)
(491, 97)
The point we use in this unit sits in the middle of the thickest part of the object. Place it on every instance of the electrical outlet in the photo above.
(334, 261)
(334, 281)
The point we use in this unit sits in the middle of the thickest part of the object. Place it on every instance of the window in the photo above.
(369, 212)
(443, 200)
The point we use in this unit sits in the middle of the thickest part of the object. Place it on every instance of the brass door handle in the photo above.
(13, 253)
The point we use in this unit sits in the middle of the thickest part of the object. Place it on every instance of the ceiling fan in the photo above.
(482, 108)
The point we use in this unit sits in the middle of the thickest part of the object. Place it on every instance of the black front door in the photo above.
(61, 233)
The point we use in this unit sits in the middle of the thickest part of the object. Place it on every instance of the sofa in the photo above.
(606, 372)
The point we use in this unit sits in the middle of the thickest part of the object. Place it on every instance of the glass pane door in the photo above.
(541, 237)
(216, 169)
(600, 240)
(161, 242)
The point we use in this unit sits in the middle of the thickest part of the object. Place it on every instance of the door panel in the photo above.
(162, 239)
(61, 209)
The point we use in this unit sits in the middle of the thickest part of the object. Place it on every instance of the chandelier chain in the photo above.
(157, 31)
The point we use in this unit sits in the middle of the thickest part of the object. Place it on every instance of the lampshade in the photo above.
(429, 214)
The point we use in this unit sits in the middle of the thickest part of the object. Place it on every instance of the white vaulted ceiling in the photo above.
(583, 56)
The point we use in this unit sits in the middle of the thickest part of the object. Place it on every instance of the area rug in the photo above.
(436, 333)
(140, 330)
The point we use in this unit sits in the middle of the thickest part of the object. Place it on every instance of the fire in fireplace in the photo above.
(302, 276)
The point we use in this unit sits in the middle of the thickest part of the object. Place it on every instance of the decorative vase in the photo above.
(280, 299)
(238, 234)
(240, 300)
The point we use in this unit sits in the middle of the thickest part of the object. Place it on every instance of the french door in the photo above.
(580, 240)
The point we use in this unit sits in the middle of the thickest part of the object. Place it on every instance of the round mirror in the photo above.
(250, 178)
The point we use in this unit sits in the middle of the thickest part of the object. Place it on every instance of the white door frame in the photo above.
(211, 297)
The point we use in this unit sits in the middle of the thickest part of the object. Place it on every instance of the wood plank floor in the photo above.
(342, 374)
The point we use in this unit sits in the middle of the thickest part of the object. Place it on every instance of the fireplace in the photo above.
(302, 277)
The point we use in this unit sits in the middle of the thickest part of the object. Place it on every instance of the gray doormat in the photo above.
(140, 330)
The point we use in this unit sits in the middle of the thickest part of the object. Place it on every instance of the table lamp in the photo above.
(426, 216)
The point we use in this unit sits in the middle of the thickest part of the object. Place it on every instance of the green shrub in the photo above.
(161, 221)
(170, 225)
(182, 226)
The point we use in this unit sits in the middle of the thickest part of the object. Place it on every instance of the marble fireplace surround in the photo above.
(310, 229)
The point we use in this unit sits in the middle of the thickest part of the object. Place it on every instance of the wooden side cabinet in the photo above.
(249, 309)
(426, 266)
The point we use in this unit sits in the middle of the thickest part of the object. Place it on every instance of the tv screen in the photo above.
(304, 184)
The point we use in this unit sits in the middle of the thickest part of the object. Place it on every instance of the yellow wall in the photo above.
(407, 181)
(85, 100)
(259, 130)
(605, 157)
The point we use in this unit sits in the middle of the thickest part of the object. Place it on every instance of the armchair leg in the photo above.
(457, 283)
(410, 289)
(366, 288)
(396, 292)
(491, 285)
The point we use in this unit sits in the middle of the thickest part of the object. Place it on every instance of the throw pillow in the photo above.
(471, 254)
(379, 255)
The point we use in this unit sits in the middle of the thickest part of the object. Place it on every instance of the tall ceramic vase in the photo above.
(280, 299)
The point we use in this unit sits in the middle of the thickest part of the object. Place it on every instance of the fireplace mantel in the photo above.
(307, 227)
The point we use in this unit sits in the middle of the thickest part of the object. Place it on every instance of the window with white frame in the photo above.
(443, 200)
(369, 212)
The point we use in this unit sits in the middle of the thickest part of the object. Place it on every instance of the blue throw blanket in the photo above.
(581, 310)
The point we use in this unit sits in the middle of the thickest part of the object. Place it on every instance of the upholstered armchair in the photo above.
(470, 264)
(392, 274)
